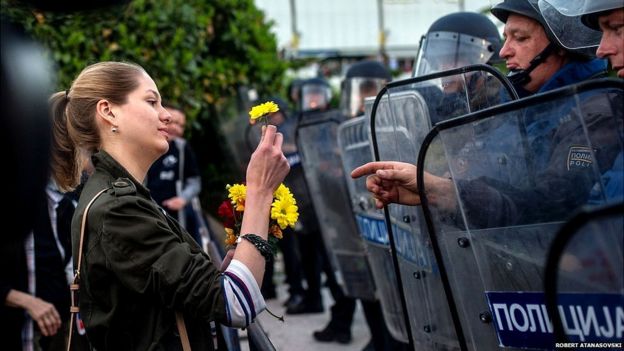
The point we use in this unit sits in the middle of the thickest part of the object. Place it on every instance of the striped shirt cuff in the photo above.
(243, 299)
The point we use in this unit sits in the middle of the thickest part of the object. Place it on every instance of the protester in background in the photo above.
(174, 179)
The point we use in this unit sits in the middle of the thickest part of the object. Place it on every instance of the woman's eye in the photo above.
(152, 102)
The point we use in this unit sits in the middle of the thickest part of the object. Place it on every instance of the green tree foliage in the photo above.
(198, 52)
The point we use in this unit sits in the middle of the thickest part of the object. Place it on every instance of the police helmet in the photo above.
(363, 79)
(575, 23)
(531, 9)
(595, 8)
(315, 94)
(456, 40)
(523, 8)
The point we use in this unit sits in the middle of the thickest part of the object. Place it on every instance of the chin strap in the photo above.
(520, 77)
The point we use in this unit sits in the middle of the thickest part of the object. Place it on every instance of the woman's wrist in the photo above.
(257, 211)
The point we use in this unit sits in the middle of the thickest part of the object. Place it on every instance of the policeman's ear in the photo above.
(104, 110)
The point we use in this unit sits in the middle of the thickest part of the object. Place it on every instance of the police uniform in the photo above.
(139, 267)
(568, 181)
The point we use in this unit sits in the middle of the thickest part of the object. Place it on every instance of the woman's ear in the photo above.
(104, 110)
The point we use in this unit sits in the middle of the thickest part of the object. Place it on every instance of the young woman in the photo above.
(138, 267)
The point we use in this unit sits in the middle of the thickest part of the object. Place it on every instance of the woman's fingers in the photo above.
(279, 140)
(268, 135)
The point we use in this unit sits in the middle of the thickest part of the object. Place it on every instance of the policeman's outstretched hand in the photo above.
(395, 182)
(268, 166)
(390, 182)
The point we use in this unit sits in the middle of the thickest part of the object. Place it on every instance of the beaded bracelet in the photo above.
(261, 245)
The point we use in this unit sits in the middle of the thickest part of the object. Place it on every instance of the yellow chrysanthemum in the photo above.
(285, 212)
(263, 109)
(237, 194)
(282, 191)
(230, 238)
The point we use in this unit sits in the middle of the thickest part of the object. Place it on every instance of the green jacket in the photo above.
(139, 267)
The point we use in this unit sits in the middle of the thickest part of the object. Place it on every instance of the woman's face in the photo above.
(142, 121)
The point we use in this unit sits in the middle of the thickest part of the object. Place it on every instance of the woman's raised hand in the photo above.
(268, 166)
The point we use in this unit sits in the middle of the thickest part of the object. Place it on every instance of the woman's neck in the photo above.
(135, 163)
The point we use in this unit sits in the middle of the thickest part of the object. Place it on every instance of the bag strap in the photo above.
(74, 287)
(186, 345)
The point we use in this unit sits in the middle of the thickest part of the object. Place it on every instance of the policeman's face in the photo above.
(315, 100)
(142, 122)
(612, 42)
(524, 39)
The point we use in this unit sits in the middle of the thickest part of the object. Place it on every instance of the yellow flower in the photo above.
(285, 212)
(237, 194)
(262, 110)
(282, 191)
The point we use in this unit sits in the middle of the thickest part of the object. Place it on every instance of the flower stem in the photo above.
(280, 318)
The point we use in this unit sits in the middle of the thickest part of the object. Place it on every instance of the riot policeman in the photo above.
(456, 40)
(314, 94)
(600, 21)
(314, 98)
(363, 79)
(537, 61)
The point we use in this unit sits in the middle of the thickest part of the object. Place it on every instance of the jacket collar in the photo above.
(575, 72)
(104, 162)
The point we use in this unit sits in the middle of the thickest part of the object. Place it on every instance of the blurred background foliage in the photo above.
(201, 54)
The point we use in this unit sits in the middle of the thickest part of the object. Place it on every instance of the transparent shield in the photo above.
(590, 277)
(354, 141)
(443, 51)
(515, 173)
(402, 119)
(322, 165)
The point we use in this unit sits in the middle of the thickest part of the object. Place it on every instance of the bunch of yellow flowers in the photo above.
(284, 212)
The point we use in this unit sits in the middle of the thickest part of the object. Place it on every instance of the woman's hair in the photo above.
(75, 131)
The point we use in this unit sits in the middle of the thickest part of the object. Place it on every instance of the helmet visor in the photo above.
(315, 96)
(355, 90)
(564, 19)
(441, 51)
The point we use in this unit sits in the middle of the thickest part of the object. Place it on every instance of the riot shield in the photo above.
(400, 119)
(322, 164)
(234, 116)
(354, 143)
(490, 229)
(584, 278)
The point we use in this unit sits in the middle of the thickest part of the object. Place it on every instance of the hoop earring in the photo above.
(114, 129)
